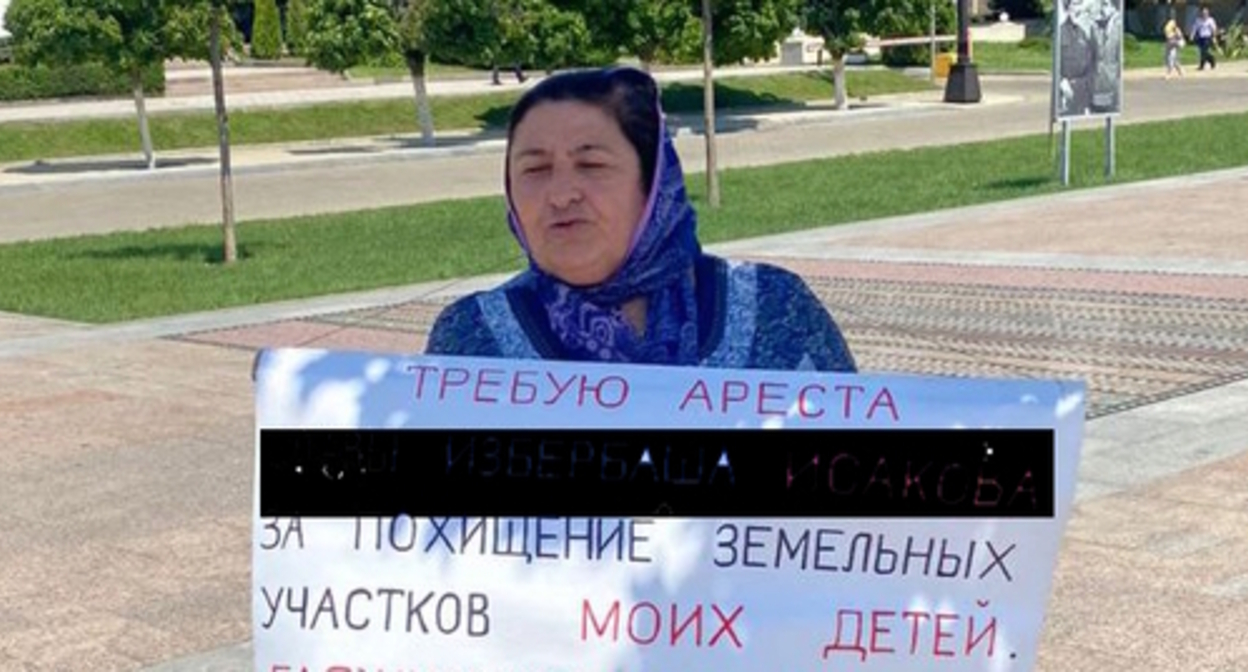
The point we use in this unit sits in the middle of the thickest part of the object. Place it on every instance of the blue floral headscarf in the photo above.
(659, 266)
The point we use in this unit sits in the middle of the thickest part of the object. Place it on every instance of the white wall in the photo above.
(4, 4)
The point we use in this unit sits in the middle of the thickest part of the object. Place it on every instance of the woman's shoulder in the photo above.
(772, 283)
(793, 327)
(462, 327)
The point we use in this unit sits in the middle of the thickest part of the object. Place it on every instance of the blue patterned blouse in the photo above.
(751, 316)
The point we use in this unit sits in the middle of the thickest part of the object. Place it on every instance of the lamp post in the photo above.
(963, 83)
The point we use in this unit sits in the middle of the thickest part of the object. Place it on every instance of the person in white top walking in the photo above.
(1174, 45)
(1204, 30)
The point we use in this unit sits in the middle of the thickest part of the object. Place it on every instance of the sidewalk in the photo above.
(101, 194)
(349, 91)
(361, 90)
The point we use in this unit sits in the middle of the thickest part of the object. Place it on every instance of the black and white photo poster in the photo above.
(1087, 76)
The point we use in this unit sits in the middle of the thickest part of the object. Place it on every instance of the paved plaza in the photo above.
(129, 449)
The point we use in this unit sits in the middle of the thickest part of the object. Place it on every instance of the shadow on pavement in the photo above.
(392, 143)
(206, 252)
(42, 167)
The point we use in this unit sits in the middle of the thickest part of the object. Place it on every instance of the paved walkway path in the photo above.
(348, 92)
(73, 197)
(124, 511)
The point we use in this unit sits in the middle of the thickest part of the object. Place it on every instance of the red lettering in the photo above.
(656, 620)
(645, 624)
(623, 383)
(848, 391)
(914, 617)
(763, 397)
(742, 388)
(516, 385)
(725, 625)
(883, 398)
(559, 389)
(942, 634)
(482, 382)
(612, 621)
(420, 377)
(698, 391)
(678, 628)
(447, 382)
(801, 400)
(877, 629)
(1026, 480)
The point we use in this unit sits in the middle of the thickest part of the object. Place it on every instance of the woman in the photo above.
(1174, 44)
(596, 199)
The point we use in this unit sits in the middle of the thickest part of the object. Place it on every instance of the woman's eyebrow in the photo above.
(591, 147)
(530, 152)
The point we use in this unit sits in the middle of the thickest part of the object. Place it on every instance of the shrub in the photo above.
(296, 25)
(266, 32)
(19, 82)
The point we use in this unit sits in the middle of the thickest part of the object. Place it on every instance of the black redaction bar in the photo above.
(658, 472)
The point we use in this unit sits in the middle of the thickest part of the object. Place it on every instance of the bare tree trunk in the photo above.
(416, 66)
(838, 77)
(140, 107)
(708, 106)
(229, 240)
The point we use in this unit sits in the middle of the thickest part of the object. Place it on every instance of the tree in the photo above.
(266, 31)
(842, 25)
(555, 37)
(345, 33)
(652, 30)
(222, 35)
(492, 33)
(911, 18)
(750, 29)
(296, 25)
(734, 30)
(708, 102)
(479, 32)
(128, 35)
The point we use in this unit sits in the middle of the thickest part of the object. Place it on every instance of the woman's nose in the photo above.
(565, 188)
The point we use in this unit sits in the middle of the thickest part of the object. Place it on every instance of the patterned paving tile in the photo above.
(1132, 340)
(1130, 349)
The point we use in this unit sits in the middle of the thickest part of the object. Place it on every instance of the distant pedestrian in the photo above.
(515, 69)
(1174, 47)
(1204, 31)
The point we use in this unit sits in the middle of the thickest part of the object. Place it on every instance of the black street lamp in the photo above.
(963, 83)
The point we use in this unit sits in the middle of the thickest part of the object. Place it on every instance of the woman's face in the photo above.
(576, 189)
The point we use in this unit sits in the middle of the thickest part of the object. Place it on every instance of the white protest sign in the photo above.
(662, 594)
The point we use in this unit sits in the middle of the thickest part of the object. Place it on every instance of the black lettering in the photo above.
(453, 600)
(416, 609)
(751, 543)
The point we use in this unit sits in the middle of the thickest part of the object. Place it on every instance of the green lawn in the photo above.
(1036, 55)
(133, 275)
(24, 141)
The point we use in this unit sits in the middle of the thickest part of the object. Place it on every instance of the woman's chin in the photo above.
(579, 277)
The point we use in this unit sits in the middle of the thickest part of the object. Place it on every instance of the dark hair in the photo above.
(627, 94)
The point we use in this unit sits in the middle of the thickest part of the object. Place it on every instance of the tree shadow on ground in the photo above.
(207, 253)
(53, 167)
(1015, 184)
(681, 97)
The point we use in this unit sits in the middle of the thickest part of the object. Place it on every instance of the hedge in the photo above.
(39, 82)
